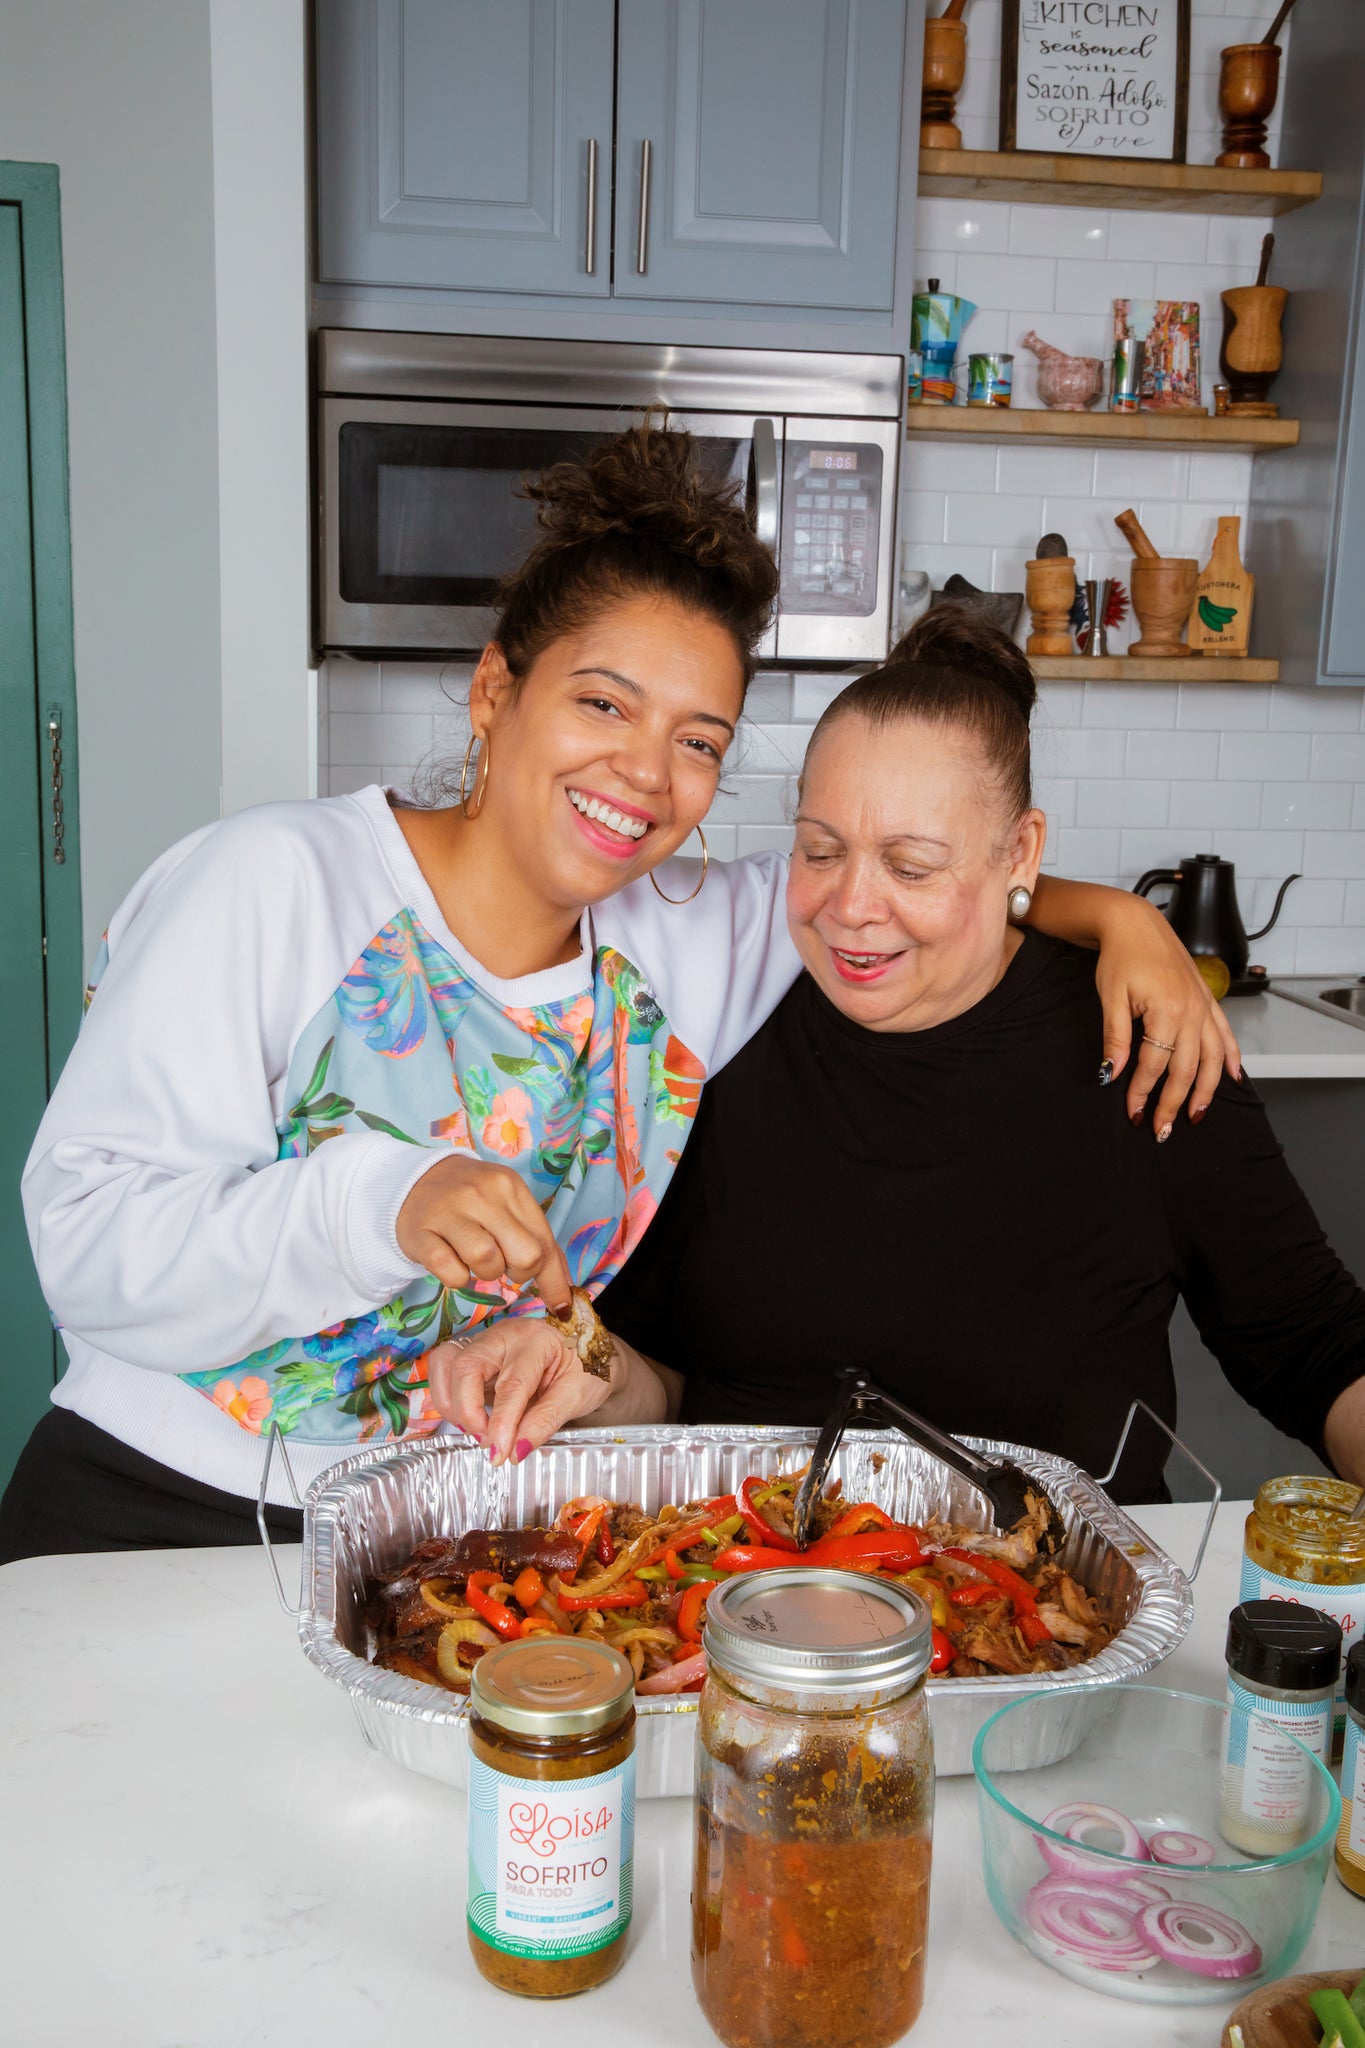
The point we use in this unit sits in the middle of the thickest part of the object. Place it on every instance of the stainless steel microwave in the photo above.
(424, 440)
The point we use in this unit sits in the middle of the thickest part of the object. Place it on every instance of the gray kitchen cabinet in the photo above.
(1306, 518)
(455, 143)
(758, 150)
(748, 152)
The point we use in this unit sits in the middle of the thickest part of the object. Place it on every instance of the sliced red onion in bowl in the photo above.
(1179, 1850)
(1080, 1820)
(1134, 1884)
(1200, 1939)
(1087, 1926)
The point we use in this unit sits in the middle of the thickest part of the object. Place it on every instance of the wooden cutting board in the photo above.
(1221, 620)
(1279, 2015)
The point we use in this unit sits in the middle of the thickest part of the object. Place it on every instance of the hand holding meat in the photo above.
(468, 1220)
(514, 1384)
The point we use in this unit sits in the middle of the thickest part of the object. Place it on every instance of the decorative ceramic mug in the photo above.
(990, 379)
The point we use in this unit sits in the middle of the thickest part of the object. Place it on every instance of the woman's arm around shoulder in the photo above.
(1144, 972)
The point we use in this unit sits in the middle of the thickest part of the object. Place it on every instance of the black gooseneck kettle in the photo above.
(1204, 915)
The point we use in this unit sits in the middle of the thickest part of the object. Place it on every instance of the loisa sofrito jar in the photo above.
(551, 1814)
(814, 1811)
(1302, 1546)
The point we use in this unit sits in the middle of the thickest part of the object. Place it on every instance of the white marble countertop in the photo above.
(200, 1852)
(1282, 1041)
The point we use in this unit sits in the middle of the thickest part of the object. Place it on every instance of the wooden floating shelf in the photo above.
(1097, 429)
(1091, 181)
(1129, 668)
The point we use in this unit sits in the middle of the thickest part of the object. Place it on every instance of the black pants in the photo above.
(77, 1488)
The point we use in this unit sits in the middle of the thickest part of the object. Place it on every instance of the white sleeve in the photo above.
(165, 1229)
(720, 963)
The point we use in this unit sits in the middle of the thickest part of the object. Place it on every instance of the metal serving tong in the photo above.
(1003, 1483)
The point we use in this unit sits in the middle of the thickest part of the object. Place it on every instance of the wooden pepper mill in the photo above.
(1253, 347)
(1162, 592)
(945, 63)
(1050, 589)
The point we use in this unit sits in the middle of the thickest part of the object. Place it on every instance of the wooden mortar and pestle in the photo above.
(1050, 589)
(1253, 347)
(945, 63)
(1248, 81)
(1162, 592)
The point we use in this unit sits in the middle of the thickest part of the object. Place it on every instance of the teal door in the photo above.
(39, 893)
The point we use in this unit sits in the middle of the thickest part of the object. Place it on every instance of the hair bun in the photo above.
(647, 484)
(955, 636)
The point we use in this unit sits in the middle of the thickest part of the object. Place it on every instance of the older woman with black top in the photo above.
(908, 1167)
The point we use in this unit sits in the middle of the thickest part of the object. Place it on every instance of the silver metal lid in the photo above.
(552, 1686)
(809, 1629)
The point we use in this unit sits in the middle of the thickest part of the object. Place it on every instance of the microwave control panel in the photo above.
(831, 521)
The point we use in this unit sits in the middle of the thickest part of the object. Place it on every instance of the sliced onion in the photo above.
(1180, 1850)
(1090, 1927)
(1073, 1820)
(1130, 1892)
(1134, 1883)
(675, 1677)
(1199, 1938)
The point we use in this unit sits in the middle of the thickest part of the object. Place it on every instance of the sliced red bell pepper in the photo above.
(1032, 1627)
(496, 1613)
(630, 1593)
(866, 1515)
(680, 1540)
(606, 1548)
(672, 1565)
(775, 1538)
(753, 1557)
(893, 1549)
(721, 1509)
(972, 1596)
(689, 1610)
(943, 1651)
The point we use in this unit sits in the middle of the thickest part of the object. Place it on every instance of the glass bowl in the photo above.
(1155, 1757)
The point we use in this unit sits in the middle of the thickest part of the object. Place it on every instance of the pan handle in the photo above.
(264, 1527)
(1103, 1479)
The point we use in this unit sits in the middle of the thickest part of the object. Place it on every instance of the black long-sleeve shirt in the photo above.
(965, 1215)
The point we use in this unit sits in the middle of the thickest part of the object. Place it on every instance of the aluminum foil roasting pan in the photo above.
(363, 1516)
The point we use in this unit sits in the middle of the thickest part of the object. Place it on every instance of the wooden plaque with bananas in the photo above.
(1221, 620)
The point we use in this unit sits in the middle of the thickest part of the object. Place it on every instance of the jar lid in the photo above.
(1278, 1643)
(1355, 1677)
(552, 1686)
(808, 1628)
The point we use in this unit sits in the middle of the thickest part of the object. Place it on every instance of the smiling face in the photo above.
(904, 860)
(608, 755)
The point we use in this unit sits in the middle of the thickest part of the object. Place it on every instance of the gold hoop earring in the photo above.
(480, 779)
(705, 864)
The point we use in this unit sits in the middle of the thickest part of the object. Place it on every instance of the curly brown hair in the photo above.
(642, 515)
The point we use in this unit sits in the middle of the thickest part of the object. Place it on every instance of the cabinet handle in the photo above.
(765, 483)
(54, 735)
(590, 246)
(642, 239)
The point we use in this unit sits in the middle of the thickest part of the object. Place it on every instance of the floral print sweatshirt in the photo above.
(283, 1037)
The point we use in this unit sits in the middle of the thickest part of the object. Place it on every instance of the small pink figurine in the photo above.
(1065, 383)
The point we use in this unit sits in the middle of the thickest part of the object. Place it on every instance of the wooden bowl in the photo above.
(1279, 2015)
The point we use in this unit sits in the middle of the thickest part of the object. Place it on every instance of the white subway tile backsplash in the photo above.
(1128, 802)
(1326, 805)
(417, 686)
(1306, 903)
(1083, 753)
(994, 521)
(1131, 707)
(962, 224)
(771, 749)
(941, 466)
(1355, 908)
(1058, 799)
(353, 686)
(922, 516)
(1358, 811)
(1145, 848)
(1215, 803)
(1321, 710)
(813, 695)
(1263, 757)
(942, 560)
(356, 736)
(756, 800)
(1338, 759)
(1089, 855)
(1224, 707)
(763, 839)
(1088, 287)
(1125, 475)
(1055, 472)
(768, 700)
(1183, 756)
(342, 781)
(1265, 854)
(1334, 853)
(1058, 231)
(1157, 237)
(1330, 952)
(1005, 281)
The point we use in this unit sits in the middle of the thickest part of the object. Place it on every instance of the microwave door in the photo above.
(746, 448)
(839, 485)
(423, 513)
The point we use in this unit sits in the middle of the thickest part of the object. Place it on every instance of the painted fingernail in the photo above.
(1197, 1115)
(1237, 1075)
(492, 1454)
(1135, 1117)
(1163, 1134)
(524, 1447)
(1106, 1072)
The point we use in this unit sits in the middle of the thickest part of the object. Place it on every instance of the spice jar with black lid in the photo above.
(814, 1811)
(551, 1814)
(1283, 1661)
(1350, 1850)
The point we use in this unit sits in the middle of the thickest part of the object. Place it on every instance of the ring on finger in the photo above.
(1158, 1041)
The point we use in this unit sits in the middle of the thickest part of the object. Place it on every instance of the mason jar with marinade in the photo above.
(814, 1811)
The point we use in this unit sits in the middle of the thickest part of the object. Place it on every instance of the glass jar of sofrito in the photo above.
(1302, 1545)
(814, 1811)
(551, 1814)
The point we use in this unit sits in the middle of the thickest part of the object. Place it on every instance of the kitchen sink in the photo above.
(1329, 994)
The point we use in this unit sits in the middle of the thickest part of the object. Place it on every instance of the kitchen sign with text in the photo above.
(1096, 78)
